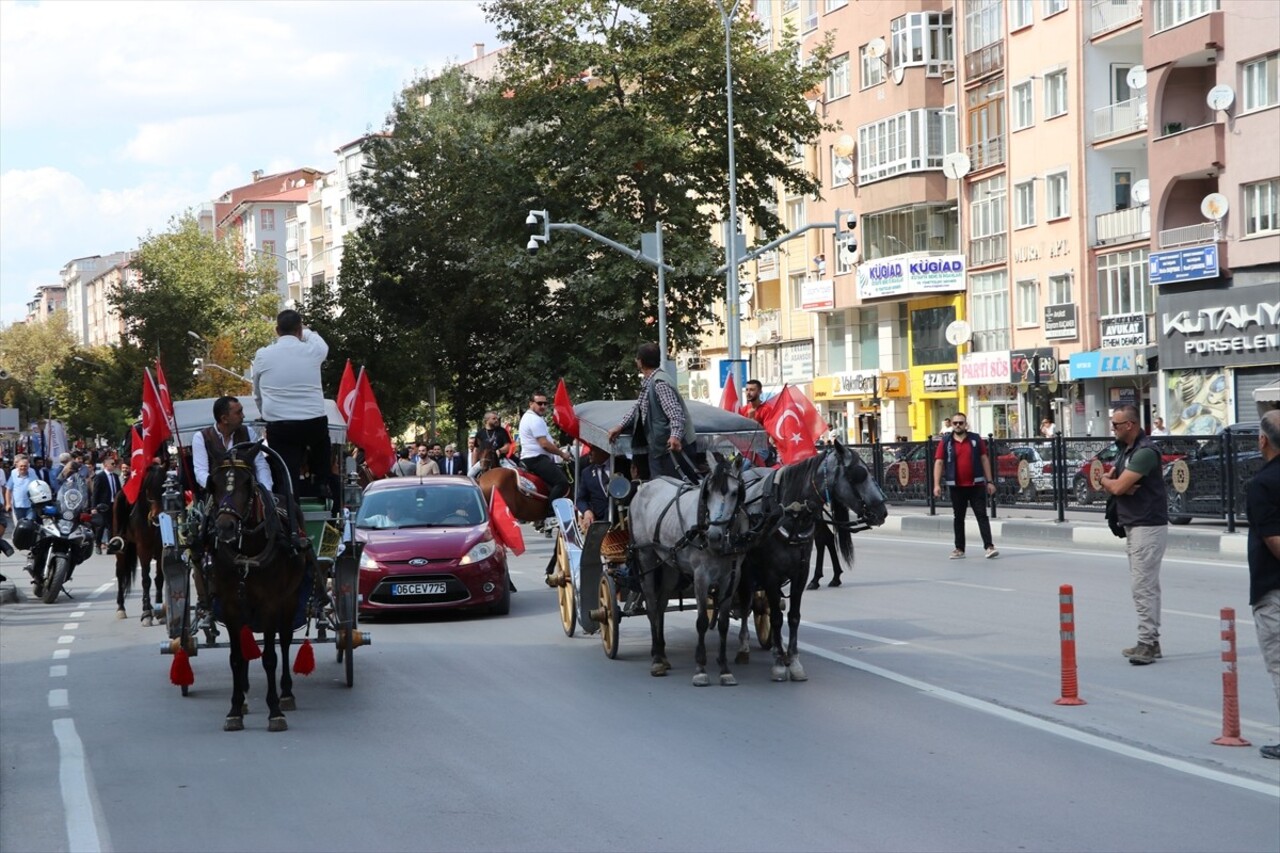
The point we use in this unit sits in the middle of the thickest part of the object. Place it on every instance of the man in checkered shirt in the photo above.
(659, 422)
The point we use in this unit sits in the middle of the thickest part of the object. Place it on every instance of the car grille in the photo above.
(454, 590)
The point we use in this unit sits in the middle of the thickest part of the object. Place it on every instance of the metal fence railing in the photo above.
(1205, 475)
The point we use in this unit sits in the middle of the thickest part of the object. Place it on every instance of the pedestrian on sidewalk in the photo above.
(1262, 503)
(963, 465)
(1142, 509)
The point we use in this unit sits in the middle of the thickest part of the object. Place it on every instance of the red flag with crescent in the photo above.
(347, 392)
(729, 398)
(368, 431)
(166, 402)
(565, 417)
(503, 523)
(137, 465)
(795, 425)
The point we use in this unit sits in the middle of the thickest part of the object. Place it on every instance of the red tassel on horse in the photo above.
(180, 670)
(305, 661)
(248, 645)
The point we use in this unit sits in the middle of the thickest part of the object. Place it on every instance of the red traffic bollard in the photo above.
(1067, 637)
(1230, 688)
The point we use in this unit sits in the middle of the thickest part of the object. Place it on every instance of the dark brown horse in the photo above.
(525, 506)
(256, 578)
(138, 526)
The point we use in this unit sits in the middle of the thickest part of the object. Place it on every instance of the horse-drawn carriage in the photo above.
(327, 593)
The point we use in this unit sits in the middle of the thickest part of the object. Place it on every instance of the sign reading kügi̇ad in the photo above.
(903, 274)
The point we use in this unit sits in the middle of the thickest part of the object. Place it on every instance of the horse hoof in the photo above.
(834, 582)
(742, 658)
(159, 612)
(288, 703)
(796, 672)
(120, 614)
(701, 679)
(813, 584)
(147, 621)
(727, 680)
(278, 724)
(659, 669)
(233, 724)
(778, 673)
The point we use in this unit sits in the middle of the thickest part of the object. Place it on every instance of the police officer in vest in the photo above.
(963, 465)
(661, 430)
(1142, 509)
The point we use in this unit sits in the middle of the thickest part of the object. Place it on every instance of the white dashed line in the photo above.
(1213, 616)
(71, 626)
(79, 614)
(974, 586)
(77, 802)
(106, 586)
(58, 670)
(61, 654)
(848, 633)
(66, 639)
(58, 698)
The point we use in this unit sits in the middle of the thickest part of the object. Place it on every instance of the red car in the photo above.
(427, 546)
(1082, 482)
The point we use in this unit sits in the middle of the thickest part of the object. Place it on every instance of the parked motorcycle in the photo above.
(59, 538)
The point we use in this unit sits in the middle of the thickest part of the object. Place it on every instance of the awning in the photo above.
(1267, 393)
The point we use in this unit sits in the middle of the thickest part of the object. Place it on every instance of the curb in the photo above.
(1069, 534)
(8, 593)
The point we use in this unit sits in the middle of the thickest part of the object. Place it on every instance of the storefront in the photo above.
(865, 406)
(1035, 373)
(1114, 377)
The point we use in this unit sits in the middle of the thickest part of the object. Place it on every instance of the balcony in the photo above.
(1120, 119)
(767, 266)
(983, 61)
(1111, 15)
(1188, 235)
(987, 153)
(1121, 226)
(984, 251)
(1177, 153)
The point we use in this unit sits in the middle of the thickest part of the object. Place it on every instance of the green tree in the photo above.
(31, 353)
(98, 391)
(191, 281)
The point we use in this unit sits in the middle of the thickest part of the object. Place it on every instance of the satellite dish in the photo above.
(844, 145)
(1214, 206)
(1136, 78)
(1141, 191)
(958, 332)
(899, 74)
(749, 338)
(956, 165)
(745, 291)
(876, 48)
(843, 168)
(1220, 97)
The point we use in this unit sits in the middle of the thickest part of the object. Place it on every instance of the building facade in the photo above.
(48, 299)
(76, 278)
(255, 214)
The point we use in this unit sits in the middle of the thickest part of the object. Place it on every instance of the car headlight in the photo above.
(482, 551)
(367, 562)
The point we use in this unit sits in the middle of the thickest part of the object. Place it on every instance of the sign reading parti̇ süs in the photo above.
(903, 274)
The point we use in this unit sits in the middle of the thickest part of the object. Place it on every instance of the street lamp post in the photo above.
(652, 241)
(731, 307)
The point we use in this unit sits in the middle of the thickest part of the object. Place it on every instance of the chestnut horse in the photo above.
(138, 526)
(525, 506)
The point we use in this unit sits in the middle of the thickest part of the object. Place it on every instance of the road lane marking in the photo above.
(77, 801)
(66, 639)
(71, 626)
(1212, 616)
(58, 698)
(848, 633)
(106, 586)
(1047, 726)
(79, 614)
(58, 670)
(973, 585)
(61, 654)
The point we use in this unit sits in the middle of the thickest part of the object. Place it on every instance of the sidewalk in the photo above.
(1084, 531)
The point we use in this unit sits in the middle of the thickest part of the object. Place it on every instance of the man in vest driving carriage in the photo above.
(662, 433)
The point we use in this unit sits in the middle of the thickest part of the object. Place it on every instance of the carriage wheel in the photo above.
(764, 627)
(568, 601)
(609, 625)
(344, 593)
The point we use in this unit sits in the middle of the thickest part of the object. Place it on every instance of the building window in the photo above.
(1260, 208)
(986, 124)
(928, 335)
(872, 69)
(989, 310)
(809, 17)
(988, 242)
(795, 213)
(983, 23)
(1122, 283)
(923, 228)
(267, 219)
(868, 351)
(1053, 7)
(1259, 85)
(1057, 200)
(907, 142)
(1055, 94)
(269, 248)
(1024, 204)
(1060, 289)
(1028, 303)
(790, 5)
(832, 5)
(796, 284)
(1024, 109)
(922, 38)
(1173, 13)
(1020, 14)
(838, 77)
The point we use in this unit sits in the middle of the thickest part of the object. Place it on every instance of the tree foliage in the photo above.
(609, 115)
(31, 353)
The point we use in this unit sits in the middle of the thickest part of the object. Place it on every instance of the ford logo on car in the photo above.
(417, 561)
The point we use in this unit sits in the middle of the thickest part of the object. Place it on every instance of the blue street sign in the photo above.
(1197, 262)
(739, 367)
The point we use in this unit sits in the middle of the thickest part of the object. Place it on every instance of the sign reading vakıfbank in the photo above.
(904, 274)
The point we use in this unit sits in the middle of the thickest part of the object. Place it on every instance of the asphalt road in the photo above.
(927, 723)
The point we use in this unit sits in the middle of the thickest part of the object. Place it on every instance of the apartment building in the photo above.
(76, 276)
(48, 299)
(255, 213)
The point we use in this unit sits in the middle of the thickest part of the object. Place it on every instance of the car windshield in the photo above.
(434, 506)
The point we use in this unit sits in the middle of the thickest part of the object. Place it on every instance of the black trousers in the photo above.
(304, 441)
(963, 497)
(549, 471)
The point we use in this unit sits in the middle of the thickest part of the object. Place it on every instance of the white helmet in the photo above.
(40, 493)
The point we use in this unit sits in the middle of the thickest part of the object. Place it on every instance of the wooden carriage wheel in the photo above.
(568, 603)
(609, 607)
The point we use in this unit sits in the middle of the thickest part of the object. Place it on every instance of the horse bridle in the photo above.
(226, 507)
(858, 524)
(697, 534)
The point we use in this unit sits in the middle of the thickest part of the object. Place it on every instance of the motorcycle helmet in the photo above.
(40, 494)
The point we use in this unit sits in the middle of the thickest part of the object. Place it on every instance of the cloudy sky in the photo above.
(116, 116)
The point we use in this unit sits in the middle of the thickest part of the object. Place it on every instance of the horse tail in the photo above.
(844, 539)
(127, 566)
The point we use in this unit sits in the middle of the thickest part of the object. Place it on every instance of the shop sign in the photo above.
(905, 274)
(1124, 330)
(1026, 365)
(1219, 328)
(1060, 321)
(1127, 361)
(797, 362)
(941, 381)
(818, 295)
(858, 383)
(1178, 265)
(985, 368)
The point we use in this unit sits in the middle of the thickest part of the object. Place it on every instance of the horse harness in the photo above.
(225, 506)
(697, 534)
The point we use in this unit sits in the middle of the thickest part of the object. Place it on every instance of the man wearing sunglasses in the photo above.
(963, 465)
(1142, 509)
(538, 452)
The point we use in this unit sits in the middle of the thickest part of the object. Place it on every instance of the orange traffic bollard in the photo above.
(1230, 688)
(1067, 636)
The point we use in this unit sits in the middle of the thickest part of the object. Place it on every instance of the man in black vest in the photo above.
(211, 444)
(659, 422)
(1263, 503)
(1142, 509)
(963, 465)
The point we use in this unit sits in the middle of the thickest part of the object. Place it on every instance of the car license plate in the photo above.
(431, 588)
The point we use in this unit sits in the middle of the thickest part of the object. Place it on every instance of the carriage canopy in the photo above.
(718, 430)
(195, 415)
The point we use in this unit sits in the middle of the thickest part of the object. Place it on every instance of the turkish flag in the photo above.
(166, 402)
(729, 397)
(503, 523)
(795, 425)
(137, 465)
(366, 429)
(564, 415)
(347, 392)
